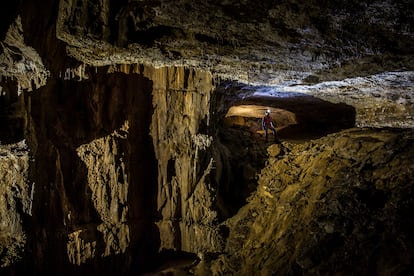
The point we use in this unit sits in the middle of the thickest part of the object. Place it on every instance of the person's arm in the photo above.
(271, 122)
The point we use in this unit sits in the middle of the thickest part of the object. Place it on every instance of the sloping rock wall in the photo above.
(340, 204)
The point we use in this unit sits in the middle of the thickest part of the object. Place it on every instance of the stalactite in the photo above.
(77, 73)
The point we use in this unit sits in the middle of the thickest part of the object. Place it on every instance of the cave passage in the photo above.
(298, 118)
(250, 116)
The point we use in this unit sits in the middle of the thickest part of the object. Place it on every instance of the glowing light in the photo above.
(281, 116)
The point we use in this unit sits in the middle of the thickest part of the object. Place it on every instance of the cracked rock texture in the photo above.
(247, 40)
(16, 199)
(340, 204)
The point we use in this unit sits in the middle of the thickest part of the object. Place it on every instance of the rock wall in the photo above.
(339, 204)
(122, 166)
(16, 199)
(179, 130)
(96, 193)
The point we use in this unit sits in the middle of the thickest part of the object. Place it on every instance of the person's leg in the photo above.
(275, 134)
(265, 130)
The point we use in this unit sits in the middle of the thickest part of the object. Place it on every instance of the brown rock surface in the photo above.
(126, 147)
(340, 204)
(16, 199)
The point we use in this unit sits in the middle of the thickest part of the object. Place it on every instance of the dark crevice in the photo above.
(167, 261)
(240, 159)
(170, 170)
(186, 76)
(151, 35)
(8, 14)
(12, 113)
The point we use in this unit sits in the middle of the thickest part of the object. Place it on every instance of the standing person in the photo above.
(267, 123)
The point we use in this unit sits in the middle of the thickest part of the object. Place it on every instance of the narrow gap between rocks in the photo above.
(12, 114)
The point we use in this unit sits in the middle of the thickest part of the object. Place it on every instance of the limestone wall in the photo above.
(16, 199)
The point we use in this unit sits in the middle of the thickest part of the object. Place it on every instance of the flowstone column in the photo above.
(181, 101)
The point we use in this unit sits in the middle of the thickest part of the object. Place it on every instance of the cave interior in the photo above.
(131, 139)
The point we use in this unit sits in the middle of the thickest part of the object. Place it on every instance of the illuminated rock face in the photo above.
(16, 199)
(132, 172)
(270, 41)
(126, 162)
(117, 153)
(336, 204)
(185, 198)
(99, 192)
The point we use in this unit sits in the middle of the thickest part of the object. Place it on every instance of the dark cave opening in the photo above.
(12, 113)
(241, 141)
(297, 117)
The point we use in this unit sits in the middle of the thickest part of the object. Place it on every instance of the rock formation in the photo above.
(130, 138)
(336, 205)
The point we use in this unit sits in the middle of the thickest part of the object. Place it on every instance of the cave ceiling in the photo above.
(252, 41)
(341, 51)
